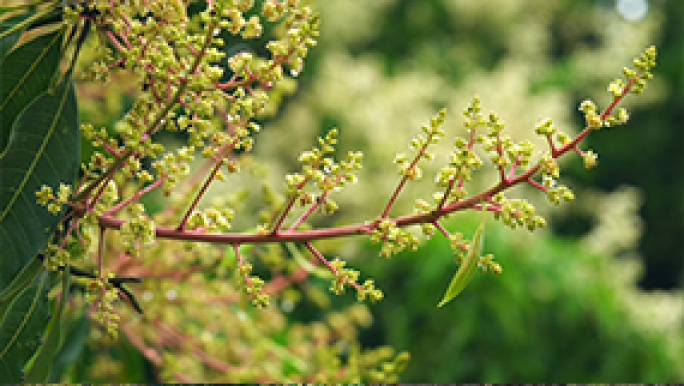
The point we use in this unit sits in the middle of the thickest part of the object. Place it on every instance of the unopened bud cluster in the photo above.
(393, 238)
(138, 231)
(345, 276)
(634, 82)
(253, 286)
(102, 295)
(517, 213)
(46, 197)
(430, 134)
(487, 264)
(327, 174)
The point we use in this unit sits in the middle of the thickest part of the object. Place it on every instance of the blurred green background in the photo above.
(596, 297)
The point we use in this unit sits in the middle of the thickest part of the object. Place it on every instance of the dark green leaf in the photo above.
(467, 267)
(21, 331)
(42, 365)
(26, 73)
(43, 150)
(73, 346)
(53, 17)
(18, 285)
(7, 42)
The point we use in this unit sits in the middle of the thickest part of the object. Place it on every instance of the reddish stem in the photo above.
(511, 174)
(313, 207)
(199, 195)
(236, 247)
(100, 249)
(551, 145)
(115, 41)
(354, 229)
(136, 195)
(204, 187)
(332, 269)
(405, 178)
(536, 184)
(441, 228)
(446, 194)
(288, 207)
(158, 119)
(602, 116)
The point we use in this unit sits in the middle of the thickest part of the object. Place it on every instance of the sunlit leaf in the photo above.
(7, 42)
(467, 267)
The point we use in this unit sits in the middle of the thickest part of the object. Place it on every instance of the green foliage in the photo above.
(22, 328)
(27, 72)
(8, 27)
(42, 152)
(18, 284)
(39, 144)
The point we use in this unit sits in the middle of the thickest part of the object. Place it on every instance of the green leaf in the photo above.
(42, 365)
(43, 150)
(18, 286)
(31, 19)
(467, 268)
(21, 331)
(26, 73)
(7, 42)
(73, 346)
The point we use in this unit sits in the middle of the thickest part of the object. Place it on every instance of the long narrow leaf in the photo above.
(467, 268)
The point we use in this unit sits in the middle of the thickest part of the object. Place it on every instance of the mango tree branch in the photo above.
(306, 236)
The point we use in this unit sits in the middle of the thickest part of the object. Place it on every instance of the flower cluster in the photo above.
(102, 295)
(253, 286)
(516, 212)
(487, 264)
(137, 232)
(46, 197)
(211, 220)
(345, 276)
(393, 238)
(326, 174)
(430, 134)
